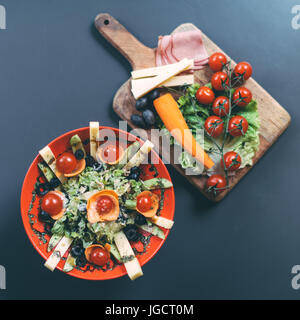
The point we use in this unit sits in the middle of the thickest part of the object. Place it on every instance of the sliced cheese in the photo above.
(163, 222)
(62, 247)
(179, 81)
(132, 266)
(155, 71)
(139, 157)
(48, 156)
(173, 82)
(94, 138)
(156, 81)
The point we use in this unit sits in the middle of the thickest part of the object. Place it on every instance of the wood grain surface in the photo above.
(274, 118)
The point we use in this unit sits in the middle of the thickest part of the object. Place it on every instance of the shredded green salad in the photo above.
(195, 115)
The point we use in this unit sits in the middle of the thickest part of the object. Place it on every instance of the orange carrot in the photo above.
(170, 114)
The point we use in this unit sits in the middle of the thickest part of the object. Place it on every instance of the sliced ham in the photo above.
(188, 44)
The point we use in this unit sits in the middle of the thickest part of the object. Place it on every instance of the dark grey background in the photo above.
(57, 73)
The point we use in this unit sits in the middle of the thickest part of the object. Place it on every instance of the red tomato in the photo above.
(219, 80)
(111, 153)
(232, 161)
(243, 95)
(216, 183)
(205, 95)
(237, 126)
(52, 203)
(214, 126)
(104, 204)
(99, 256)
(216, 61)
(66, 162)
(243, 69)
(144, 203)
(221, 106)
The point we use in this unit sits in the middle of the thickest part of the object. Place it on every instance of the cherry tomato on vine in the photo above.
(243, 96)
(205, 95)
(52, 203)
(66, 162)
(232, 161)
(237, 126)
(219, 81)
(216, 61)
(220, 106)
(214, 126)
(243, 69)
(216, 183)
(99, 256)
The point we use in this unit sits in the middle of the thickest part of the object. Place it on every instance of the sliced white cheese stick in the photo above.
(138, 158)
(162, 222)
(62, 247)
(140, 90)
(48, 156)
(155, 71)
(172, 82)
(132, 266)
(94, 138)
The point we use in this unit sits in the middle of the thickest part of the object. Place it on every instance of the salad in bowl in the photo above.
(97, 210)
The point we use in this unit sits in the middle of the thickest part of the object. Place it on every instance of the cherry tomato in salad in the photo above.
(99, 256)
(221, 106)
(205, 95)
(216, 183)
(232, 161)
(111, 153)
(214, 126)
(243, 69)
(219, 81)
(144, 203)
(216, 61)
(66, 162)
(52, 203)
(237, 126)
(242, 97)
(104, 204)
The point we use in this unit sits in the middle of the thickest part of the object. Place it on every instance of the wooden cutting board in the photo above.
(274, 118)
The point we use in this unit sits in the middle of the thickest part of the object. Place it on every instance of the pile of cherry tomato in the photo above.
(221, 107)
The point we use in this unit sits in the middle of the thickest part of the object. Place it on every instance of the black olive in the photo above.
(140, 219)
(134, 176)
(77, 251)
(153, 95)
(82, 207)
(149, 118)
(47, 228)
(89, 160)
(98, 166)
(135, 170)
(81, 262)
(141, 103)
(132, 233)
(54, 182)
(44, 216)
(79, 154)
(42, 189)
(138, 121)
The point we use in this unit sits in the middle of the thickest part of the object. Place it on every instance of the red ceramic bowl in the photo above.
(60, 145)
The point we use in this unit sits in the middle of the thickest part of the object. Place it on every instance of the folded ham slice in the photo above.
(188, 44)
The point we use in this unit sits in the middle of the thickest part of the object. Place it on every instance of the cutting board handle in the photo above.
(138, 55)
